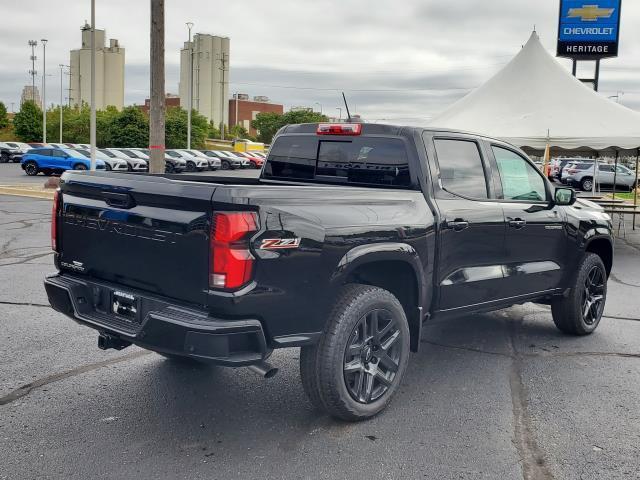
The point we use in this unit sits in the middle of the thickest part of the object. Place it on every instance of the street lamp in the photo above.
(319, 104)
(190, 88)
(33, 44)
(44, 89)
(62, 66)
(339, 109)
(92, 121)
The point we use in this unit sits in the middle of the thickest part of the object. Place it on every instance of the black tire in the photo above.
(580, 312)
(31, 168)
(107, 167)
(169, 168)
(191, 166)
(80, 166)
(225, 165)
(586, 184)
(4, 157)
(339, 374)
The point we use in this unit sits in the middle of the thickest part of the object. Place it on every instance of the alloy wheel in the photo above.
(372, 356)
(593, 296)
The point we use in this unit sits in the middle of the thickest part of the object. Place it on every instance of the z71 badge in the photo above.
(279, 243)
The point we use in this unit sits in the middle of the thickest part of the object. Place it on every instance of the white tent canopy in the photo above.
(534, 96)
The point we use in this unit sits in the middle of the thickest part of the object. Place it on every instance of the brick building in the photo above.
(170, 101)
(248, 109)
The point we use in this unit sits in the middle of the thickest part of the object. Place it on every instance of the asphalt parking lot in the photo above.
(497, 396)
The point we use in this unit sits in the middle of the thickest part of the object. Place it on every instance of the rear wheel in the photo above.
(586, 184)
(225, 165)
(4, 157)
(580, 312)
(169, 168)
(357, 367)
(80, 166)
(31, 168)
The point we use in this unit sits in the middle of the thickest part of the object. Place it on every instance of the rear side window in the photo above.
(362, 160)
(461, 169)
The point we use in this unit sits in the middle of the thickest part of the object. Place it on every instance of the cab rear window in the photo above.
(362, 160)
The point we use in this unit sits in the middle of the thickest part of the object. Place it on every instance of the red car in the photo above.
(256, 161)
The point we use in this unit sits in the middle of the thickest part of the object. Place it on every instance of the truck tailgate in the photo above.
(148, 233)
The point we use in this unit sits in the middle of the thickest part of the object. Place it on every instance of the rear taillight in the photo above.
(231, 260)
(339, 129)
(55, 208)
(571, 171)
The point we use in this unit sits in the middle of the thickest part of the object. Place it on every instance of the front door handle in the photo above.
(517, 223)
(458, 224)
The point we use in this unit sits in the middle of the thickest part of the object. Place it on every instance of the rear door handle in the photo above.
(458, 224)
(517, 223)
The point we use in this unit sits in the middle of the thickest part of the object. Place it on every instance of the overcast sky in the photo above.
(397, 61)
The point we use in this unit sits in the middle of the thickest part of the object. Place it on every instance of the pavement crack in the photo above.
(24, 304)
(56, 377)
(616, 279)
(614, 317)
(532, 459)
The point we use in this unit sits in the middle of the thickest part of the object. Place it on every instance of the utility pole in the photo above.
(223, 66)
(61, 96)
(237, 95)
(157, 107)
(92, 121)
(190, 87)
(44, 89)
(33, 72)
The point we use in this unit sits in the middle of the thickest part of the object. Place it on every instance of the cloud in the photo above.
(403, 61)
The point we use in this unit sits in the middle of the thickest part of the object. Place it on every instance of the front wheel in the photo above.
(586, 184)
(191, 166)
(225, 165)
(356, 368)
(80, 166)
(31, 168)
(579, 313)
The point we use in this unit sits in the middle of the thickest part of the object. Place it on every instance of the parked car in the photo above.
(134, 163)
(50, 160)
(214, 164)
(351, 238)
(226, 163)
(171, 164)
(559, 164)
(111, 163)
(59, 145)
(194, 163)
(12, 151)
(255, 160)
(582, 175)
(244, 162)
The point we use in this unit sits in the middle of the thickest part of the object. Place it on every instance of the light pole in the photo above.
(44, 89)
(92, 121)
(340, 109)
(320, 105)
(33, 44)
(62, 66)
(190, 89)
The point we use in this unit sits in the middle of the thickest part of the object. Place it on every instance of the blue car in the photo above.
(55, 160)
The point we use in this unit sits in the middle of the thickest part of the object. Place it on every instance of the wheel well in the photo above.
(399, 278)
(602, 247)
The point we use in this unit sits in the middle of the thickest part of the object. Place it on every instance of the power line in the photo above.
(294, 87)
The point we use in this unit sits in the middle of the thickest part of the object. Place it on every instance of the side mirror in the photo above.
(564, 196)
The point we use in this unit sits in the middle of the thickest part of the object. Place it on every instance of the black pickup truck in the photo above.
(351, 238)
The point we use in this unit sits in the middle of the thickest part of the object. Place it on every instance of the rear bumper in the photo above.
(162, 326)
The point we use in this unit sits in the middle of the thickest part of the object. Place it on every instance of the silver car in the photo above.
(582, 176)
(112, 163)
(194, 163)
(134, 164)
(214, 163)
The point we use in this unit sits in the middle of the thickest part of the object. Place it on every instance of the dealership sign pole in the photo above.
(589, 30)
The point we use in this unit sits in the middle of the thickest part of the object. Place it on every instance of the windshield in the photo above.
(108, 153)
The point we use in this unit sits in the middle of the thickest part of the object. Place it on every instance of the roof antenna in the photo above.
(534, 27)
(347, 107)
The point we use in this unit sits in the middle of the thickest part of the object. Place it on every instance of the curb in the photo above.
(21, 191)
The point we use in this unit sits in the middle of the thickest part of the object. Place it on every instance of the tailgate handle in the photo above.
(119, 200)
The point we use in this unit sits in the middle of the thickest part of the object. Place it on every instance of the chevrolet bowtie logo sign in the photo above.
(590, 13)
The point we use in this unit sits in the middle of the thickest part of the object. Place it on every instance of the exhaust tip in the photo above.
(264, 369)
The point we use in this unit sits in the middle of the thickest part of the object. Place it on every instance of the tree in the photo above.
(129, 128)
(28, 122)
(268, 123)
(4, 118)
(238, 131)
(176, 128)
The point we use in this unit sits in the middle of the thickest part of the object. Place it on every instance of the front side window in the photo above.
(461, 169)
(520, 180)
